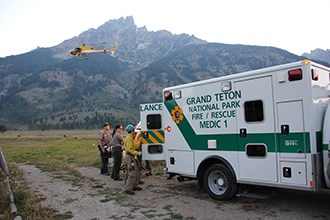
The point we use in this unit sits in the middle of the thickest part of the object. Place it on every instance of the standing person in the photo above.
(117, 149)
(104, 142)
(131, 180)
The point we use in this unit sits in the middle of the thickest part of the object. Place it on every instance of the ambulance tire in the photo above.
(219, 182)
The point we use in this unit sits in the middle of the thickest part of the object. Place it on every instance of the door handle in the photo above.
(285, 129)
(242, 132)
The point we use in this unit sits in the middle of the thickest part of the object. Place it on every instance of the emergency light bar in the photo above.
(315, 75)
(168, 96)
(295, 74)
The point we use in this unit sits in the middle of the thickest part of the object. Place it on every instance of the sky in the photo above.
(297, 26)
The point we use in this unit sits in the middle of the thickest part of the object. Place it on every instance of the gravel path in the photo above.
(62, 195)
(89, 195)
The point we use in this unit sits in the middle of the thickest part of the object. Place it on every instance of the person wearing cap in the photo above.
(131, 179)
(104, 142)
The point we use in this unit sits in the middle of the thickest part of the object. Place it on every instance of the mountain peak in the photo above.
(134, 45)
(319, 54)
(128, 21)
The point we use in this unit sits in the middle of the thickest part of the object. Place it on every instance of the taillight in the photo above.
(295, 75)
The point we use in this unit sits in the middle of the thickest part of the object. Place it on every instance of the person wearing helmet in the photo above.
(131, 179)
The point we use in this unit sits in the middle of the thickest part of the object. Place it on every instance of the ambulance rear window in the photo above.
(155, 149)
(154, 121)
(254, 111)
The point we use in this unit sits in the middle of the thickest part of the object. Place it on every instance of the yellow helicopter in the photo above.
(85, 50)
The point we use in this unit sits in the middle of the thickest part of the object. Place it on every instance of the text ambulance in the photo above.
(268, 127)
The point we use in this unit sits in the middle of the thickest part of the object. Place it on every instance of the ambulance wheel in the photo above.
(219, 182)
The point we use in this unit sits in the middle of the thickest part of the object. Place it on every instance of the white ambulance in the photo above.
(268, 127)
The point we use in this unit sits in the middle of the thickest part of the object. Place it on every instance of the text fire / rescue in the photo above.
(220, 105)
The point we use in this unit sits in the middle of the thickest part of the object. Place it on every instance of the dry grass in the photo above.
(58, 152)
(52, 134)
(52, 151)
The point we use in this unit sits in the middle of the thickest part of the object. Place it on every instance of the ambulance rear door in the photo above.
(152, 131)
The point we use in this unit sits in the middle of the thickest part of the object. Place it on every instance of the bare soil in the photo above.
(89, 195)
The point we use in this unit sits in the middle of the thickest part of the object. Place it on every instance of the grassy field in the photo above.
(51, 151)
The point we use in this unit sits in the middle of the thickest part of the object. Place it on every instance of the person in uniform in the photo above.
(104, 142)
(117, 149)
(131, 180)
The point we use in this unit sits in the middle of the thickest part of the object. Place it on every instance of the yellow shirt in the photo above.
(130, 146)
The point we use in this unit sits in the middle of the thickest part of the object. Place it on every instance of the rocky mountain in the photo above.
(50, 89)
(319, 54)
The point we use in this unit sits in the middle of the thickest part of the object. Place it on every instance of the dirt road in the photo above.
(89, 195)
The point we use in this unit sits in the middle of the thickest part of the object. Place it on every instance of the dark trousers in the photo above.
(104, 162)
(148, 167)
(117, 159)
